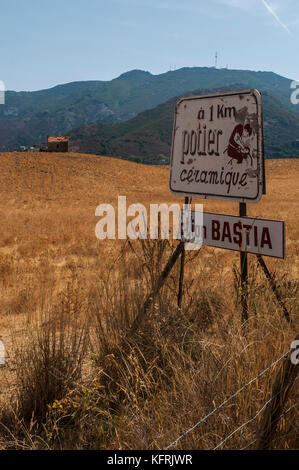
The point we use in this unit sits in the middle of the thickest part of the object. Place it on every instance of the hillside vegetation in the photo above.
(28, 117)
(75, 376)
(147, 137)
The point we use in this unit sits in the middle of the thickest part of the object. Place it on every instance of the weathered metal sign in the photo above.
(217, 147)
(257, 236)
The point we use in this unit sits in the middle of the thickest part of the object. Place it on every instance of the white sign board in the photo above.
(217, 147)
(257, 236)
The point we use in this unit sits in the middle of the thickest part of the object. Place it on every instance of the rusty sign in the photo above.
(258, 236)
(217, 147)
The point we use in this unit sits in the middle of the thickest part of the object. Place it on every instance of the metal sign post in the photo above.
(244, 271)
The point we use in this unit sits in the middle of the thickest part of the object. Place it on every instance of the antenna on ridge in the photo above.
(216, 60)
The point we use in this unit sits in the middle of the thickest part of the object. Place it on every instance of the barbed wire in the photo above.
(257, 414)
(275, 421)
(226, 401)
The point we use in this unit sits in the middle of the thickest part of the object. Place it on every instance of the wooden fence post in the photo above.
(280, 393)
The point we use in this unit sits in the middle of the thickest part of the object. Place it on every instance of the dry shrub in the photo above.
(6, 270)
(207, 308)
(50, 361)
(22, 302)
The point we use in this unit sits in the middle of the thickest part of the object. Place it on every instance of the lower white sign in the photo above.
(257, 236)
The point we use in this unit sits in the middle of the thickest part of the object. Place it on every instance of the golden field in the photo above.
(68, 298)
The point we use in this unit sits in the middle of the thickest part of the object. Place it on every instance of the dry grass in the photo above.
(75, 377)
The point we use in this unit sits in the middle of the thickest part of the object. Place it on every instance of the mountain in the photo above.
(147, 137)
(28, 117)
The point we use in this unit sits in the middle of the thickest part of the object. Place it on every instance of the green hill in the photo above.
(147, 137)
(28, 117)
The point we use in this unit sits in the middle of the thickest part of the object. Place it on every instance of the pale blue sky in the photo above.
(45, 43)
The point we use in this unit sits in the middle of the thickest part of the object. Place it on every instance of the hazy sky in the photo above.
(45, 43)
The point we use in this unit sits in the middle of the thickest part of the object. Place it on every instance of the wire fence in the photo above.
(227, 400)
(254, 418)
(283, 414)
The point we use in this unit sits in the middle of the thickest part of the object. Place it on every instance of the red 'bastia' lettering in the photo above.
(234, 233)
